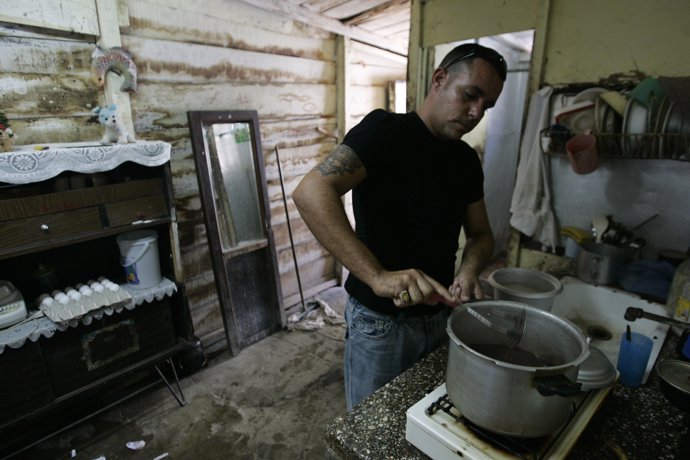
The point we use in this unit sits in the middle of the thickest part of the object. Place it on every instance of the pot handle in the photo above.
(549, 385)
(595, 268)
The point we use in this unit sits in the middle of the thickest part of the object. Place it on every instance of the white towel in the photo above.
(531, 203)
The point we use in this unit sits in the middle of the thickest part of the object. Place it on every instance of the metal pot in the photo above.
(675, 382)
(525, 285)
(495, 388)
(600, 263)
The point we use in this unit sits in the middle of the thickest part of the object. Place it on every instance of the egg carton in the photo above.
(75, 302)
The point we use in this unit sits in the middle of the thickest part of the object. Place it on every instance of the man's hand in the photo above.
(466, 288)
(411, 287)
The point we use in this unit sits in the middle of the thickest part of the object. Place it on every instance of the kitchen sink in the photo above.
(599, 312)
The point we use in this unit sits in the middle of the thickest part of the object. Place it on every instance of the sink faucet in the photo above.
(633, 313)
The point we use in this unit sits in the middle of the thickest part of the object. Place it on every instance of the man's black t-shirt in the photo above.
(409, 209)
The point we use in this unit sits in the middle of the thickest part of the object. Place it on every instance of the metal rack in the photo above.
(667, 146)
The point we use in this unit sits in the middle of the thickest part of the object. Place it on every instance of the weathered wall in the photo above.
(226, 55)
(197, 55)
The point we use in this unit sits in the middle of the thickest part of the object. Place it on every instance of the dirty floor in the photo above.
(271, 401)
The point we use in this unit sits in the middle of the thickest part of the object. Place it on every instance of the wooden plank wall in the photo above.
(204, 55)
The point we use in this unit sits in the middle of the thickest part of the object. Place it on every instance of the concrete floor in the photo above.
(271, 401)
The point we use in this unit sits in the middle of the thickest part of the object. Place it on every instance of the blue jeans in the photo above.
(380, 347)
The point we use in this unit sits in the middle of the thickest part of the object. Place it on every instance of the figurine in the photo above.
(6, 134)
(118, 60)
(114, 131)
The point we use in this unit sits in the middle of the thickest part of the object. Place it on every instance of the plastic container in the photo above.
(582, 152)
(633, 358)
(139, 258)
(678, 302)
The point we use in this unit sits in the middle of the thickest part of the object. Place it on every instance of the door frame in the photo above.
(198, 120)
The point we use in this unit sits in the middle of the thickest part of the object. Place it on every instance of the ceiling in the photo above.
(381, 23)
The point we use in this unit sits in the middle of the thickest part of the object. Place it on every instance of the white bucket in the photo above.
(139, 258)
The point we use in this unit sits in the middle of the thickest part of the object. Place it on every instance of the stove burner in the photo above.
(523, 448)
(597, 332)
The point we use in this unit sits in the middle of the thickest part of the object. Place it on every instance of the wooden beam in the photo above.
(79, 16)
(536, 73)
(302, 14)
(415, 68)
(109, 25)
(367, 15)
(342, 85)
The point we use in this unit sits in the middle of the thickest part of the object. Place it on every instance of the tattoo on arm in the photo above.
(341, 160)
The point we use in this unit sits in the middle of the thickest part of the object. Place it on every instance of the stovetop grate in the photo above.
(523, 448)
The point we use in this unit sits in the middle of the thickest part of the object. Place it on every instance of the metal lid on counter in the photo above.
(596, 371)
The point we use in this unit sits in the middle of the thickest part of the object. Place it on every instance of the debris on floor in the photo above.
(136, 445)
(314, 316)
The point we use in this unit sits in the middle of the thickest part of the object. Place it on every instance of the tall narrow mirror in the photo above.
(232, 186)
(236, 203)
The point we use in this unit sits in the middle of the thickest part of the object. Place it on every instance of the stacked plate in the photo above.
(642, 123)
(608, 125)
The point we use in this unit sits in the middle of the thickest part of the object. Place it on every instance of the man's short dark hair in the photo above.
(470, 51)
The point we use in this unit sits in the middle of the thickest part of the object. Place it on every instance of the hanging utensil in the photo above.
(600, 224)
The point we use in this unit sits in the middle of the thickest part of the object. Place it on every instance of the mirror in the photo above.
(234, 197)
(236, 202)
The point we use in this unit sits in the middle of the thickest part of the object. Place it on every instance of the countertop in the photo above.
(638, 421)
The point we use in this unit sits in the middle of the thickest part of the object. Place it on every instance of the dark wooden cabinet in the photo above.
(74, 231)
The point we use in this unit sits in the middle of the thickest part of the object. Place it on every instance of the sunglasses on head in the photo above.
(479, 51)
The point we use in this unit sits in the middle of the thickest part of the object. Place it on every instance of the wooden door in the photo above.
(232, 184)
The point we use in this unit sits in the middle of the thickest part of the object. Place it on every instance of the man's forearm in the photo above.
(327, 220)
(477, 253)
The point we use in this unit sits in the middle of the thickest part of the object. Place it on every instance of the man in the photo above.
(415, 185)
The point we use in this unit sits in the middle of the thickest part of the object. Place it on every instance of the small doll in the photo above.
(114, 130)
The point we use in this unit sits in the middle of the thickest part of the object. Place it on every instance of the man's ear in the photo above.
(438, 78)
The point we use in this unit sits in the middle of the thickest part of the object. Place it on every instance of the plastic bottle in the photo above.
(678, 303)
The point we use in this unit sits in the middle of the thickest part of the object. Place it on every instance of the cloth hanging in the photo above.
(530, 207)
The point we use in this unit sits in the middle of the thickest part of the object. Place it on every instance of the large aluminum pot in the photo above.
(600, 263)
(525, 391)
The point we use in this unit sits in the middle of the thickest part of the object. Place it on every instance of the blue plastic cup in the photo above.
(633, 357)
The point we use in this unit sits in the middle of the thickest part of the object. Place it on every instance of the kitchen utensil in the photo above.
(596, 371)
(578, 117)
(599, 226)
(674, 376)
(582, 153)
(635, 349)
(616, 100)
(646, 89)
(634, 126)
(526, 394)
(511, 324)
(524, 285)
(600, 263)
(589, 94)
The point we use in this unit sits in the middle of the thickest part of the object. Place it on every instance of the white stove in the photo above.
(437, 428)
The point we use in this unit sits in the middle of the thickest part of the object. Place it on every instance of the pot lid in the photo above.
(596, 371)
(675, 372)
